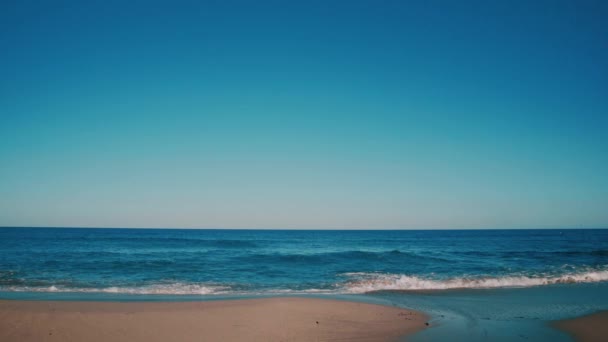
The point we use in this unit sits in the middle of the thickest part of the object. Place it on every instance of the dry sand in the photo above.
(587, 328)
(268, 319)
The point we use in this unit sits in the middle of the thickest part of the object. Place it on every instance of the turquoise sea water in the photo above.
(475, 284)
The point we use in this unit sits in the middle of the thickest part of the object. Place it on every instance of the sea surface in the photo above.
(481, 284)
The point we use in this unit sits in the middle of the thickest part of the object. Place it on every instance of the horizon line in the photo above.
(302, 229)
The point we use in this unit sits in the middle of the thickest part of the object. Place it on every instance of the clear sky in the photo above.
(304, 114)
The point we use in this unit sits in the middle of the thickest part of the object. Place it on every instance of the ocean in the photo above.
(477, 282)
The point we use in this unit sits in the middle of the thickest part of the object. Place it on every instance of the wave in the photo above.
(158, 289)
(355, 283)
(371, 282)
(176, 289)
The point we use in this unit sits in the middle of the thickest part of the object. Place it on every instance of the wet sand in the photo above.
(267, 319)
(589, 328)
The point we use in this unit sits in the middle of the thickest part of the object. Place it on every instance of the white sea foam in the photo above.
(357, 282)
(369, 282)
(166, 289)
(159, 289)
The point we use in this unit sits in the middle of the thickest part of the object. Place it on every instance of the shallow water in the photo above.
(500, 314)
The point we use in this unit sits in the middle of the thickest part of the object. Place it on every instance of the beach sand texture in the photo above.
(268, 319)
(589, 328)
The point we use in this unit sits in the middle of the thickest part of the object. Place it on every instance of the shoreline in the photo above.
(264, 319)
(588, 328)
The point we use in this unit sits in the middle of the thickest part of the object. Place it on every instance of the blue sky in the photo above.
(311, 114)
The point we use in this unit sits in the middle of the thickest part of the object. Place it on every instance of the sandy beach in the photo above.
(588, 328)
(268, 319)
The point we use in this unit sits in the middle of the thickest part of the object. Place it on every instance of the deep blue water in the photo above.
(481, 284)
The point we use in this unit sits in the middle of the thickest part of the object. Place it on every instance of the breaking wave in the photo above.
(160, 289)
(370, 282)
(356, 283)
